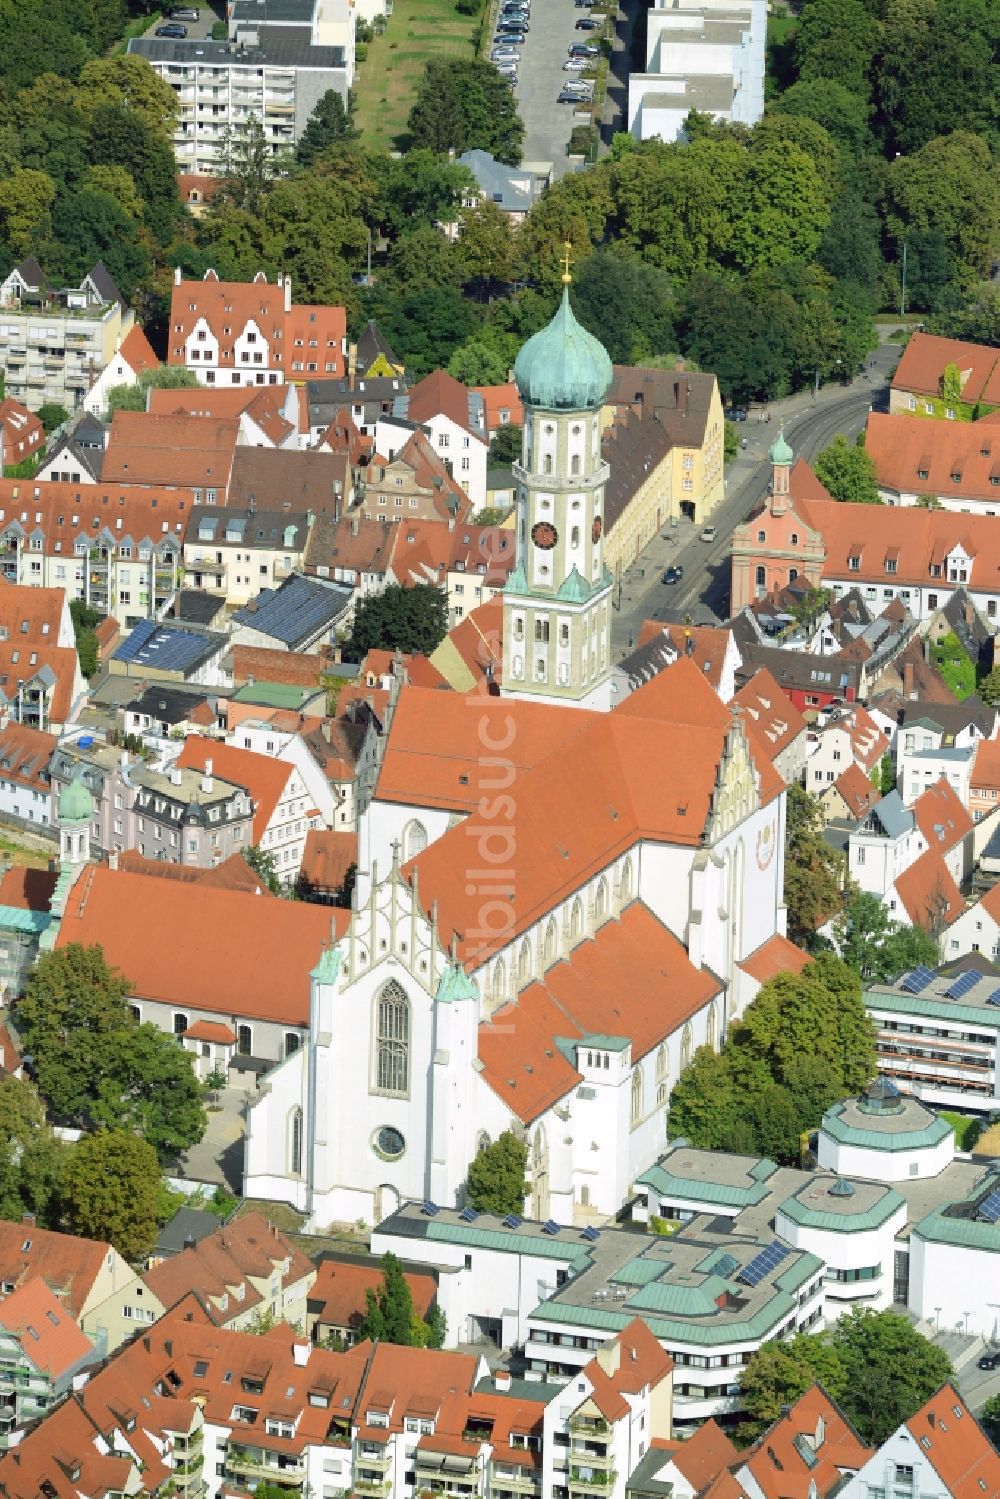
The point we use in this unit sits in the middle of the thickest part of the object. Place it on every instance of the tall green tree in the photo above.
(496, 1181)
(328, 125)
(879, 948)
(627, 304)
(891, 1370)
(31, 1157)
(414, 620)
(837, 39)
(73, 1003)
(111, 1191)
(463, 106)
(814, 874)
(779, 1373)
(390, 1315)
(848, 472)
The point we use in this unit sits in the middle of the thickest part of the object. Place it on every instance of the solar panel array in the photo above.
(917, 981)
(989, 1208)
(165, 646)
(994, 998)
(762, 1264)
(512, 1220)
(551, 1227)
(430, 1208)
(293, 611)
(591, 1235)
(468, 1215)
(961, 986)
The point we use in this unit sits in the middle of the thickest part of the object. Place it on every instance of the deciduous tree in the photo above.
(848, 472)
(877, 947)
(409, 619)
(463, 106)
(891, 1370)
(31, 1157)
(496, 1181)
(111, 1190)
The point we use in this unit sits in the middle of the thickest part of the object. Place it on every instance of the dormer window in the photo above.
(923, 473)
(854, 563)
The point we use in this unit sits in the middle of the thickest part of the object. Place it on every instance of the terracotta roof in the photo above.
(401, 1381)
(327, 857)
(176, 451)
(258, 664)
(429, 473)
(273, 478)
(934, 456)
(10, 1055)
(211, 1030)
(25, 754)
(137, 351)
(64, 1457)
(262, 404)
(440, 394)
(774, 717)
(562, 833)
(804, 485)
(344, 436)
(48, 1335)
(353, 543)
(232, 304)
(337, 1295)
(941, 817)
(473, 645)
(21, 664)
(955, 1446)
(229, 939)
(776, 955)
(67, 513)
(426, 551)
(68, 1265)
(602, 989)
(30, 616)
(264, 777)
(986, 766)
(245, 1249)
(788, 1458)
(498, 399)
(379, 665)
(28, 889)
(21, 431)
(710, 644)
(434, 752)
(924, 360)
(868, 743)
(206, 187)
(928, 892)
(233, 873)
(857, 790)
(703, 1455)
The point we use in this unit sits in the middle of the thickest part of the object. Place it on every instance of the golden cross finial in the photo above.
(567, 261)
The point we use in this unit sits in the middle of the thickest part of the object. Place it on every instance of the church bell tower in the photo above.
(557, 602)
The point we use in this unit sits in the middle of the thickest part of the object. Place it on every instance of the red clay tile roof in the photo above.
(61, 1458)
(31, 616)
(206, 187)
(857, 790)
(955, 1446)
(187, 452)
(776, 1461)
(929, 895)
(10, 1055)
(246, 1248)
(498, 399)
(68, 513)
(773, 716)
(710, 643)
(258, 664)
(28, 889)
(378, 664)
(430, 473)
(232, 304)
(211, 1030)
(68, 1265)
(21, 431)
(986, 766)
(603, 988)
(776, 955)
(25, 754)
(941, 817)
(137, 351)
(229, 939)
(441, 394)
(804, 485)
(233, 873)
(262, 776)
(47, 1333)
(924, 360)
(327, 857)
(337, 1295)
(934, 456)
(427, 550)
(21, 663)
(703, 1455)
(478, 639)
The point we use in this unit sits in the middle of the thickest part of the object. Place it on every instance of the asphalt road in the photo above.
(547, 125)
(810, 423)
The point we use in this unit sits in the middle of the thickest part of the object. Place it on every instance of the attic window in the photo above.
(854, 564)
(923, 473)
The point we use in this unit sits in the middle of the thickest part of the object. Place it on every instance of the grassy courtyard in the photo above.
(387, 80)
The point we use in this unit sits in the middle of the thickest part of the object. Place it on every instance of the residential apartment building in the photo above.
(453, 419)
(848, 738)
(365, 399)
(415, 482)
(472, 562)
(118, 547)
(688, 407)
(251, 333)
(55, 343)
(937, 1034)
(237, 552)
(703, 56)
(40, 677)
(22, 435)
(941, 1452)
(82, 1274)
(25, 787)
(269, 72)
(41, 1350)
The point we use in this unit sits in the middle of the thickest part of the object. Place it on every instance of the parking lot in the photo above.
(540, 77)
(196, 30)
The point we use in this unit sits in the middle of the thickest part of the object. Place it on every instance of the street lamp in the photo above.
(937, 1319)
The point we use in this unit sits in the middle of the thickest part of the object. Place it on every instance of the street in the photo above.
(810, 424)
(540, 76)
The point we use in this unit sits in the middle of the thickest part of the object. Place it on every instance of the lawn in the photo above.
(967, 1129)
(387, 80)
(955, 666)
(22, 855)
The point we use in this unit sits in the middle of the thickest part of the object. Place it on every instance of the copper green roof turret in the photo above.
(75, 802)
(780, 453)
(563, 367)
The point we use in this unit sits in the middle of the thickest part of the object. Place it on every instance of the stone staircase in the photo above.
(962, 1350)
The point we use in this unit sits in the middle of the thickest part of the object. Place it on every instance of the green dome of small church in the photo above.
(563, 367)
(75, 803)
(779, 451)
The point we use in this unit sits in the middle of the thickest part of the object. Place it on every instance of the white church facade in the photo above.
(555, 902)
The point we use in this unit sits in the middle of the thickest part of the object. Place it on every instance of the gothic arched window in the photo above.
(549, 948)
(636, 1108)
(626, 881)
(295, 1142)
(392, 1040)
(414, 839)
(661, 1064)
(499, 983)
(524, 961)
(576, 920)
(601, 900)
(686, 1046)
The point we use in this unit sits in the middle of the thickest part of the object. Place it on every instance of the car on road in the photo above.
(509, 39)
(673, 574)
(575, 64)
(513, 18)
(587, 23)
(505, 54)
(709, 533)
(582, 88)
(583, 49)
(573, 96)
(989, 1361)
(173, 30)
(736, 414)
(183, 13)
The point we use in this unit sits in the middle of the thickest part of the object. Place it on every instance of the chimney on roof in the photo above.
(609, 1356)
(688, 643)
(207, 784)
(29, 1219)
(175, 775)
(501, 1379)
(177, 275)
(113, 859)
(908, 679)
(189, 1241)
(288, 293)
(355, 520)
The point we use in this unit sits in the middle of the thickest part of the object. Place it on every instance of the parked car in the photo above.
(172, 30)
(583, 4)
(575, 65)
(572, 96)
(587, 23)
(736, 414)
(183, 13)
(513, 23)
(504, 54)
(990, 1361)
(673, 574)
(509, 38)
(583, 49)
(709, 533)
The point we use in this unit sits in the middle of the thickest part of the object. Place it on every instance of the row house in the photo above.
(132, 358)
(472, 563)
(116, 547)
(957, 464)
(25, 787)
(414, 482)
(849, 738)
(42, 1350)
(453, 419)
(237, 552)
(366, 399)
(172, 452)
(847, 547)
(252, 333)
(269, 417)
(688, 407)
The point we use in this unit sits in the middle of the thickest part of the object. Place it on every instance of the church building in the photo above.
(556, 902)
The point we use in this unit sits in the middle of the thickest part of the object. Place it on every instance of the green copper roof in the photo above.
(843, 1223)
(838, 1129)
(780, 452)
(719, 1194)
(563, 367)
(966, 1233)
(640, 1271)
(328, 967)
(31, 923)
(934, 1009)
(574, 588)
(455, 985)
(518, 580)
(75, 803)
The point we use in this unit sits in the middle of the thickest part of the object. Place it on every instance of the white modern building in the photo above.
(706, 55)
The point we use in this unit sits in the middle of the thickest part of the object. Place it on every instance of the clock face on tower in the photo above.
(596, 529)
(544, 535)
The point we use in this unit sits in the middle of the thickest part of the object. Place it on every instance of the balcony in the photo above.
(371, 1485)
(379, 1459)
(591, 1457)
(239, 1460)
(587, 1481)
(589, 1426)
(518, 1481)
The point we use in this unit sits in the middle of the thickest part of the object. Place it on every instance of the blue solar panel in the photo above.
(299, 608)
(762, 1264)
(591, 1235)
(430, 1208)
(551, 1227)
(917, 981)
(512, 1220)
(965, 981)
(994, 998)
(468, 1215)
(989, 1208)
